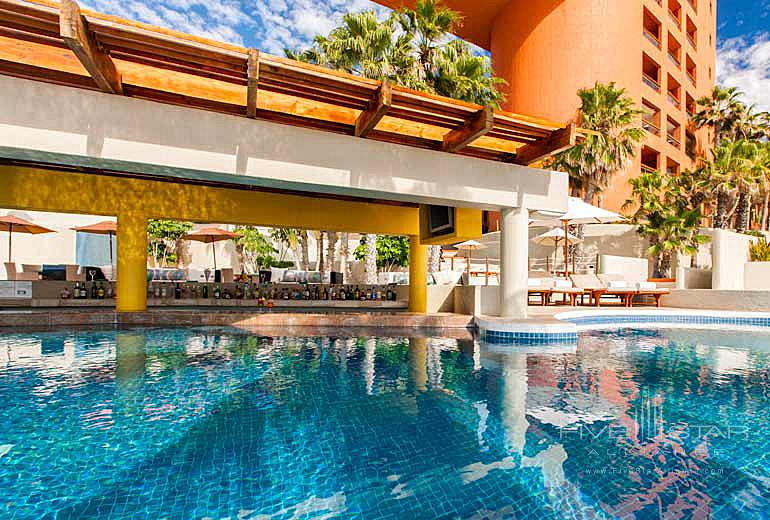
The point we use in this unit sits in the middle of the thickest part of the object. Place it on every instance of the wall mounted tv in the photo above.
(441, 220)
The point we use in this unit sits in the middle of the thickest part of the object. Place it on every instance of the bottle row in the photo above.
(269, 292)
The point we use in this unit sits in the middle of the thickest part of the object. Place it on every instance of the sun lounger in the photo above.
(566, 288)
(595, 288)
(542, 287)
(639, 288)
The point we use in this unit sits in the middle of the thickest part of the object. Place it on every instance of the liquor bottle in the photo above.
(390, 294)
(157, 291)
(94, 291)
(217, 292)
(357, 294)
(205, 291)
(100, 291)
(178, 292)
(76, 291)
(163, 292)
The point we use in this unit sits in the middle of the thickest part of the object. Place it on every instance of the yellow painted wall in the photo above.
(133, 201)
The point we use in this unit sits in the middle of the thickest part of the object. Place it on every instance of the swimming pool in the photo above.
(225, 423)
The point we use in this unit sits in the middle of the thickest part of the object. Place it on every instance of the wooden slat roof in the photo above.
(139, 60)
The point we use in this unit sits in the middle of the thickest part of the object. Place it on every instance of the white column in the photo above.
(514, 262)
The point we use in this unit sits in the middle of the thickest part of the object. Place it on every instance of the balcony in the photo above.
(673, 141)
(648, 169)
(676, 61)
(674, 18)
(673, 100)
(650, 82)
(650, 127)
(691, 78)
(652, 38)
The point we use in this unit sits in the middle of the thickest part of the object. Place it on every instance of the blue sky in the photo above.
(272, 25)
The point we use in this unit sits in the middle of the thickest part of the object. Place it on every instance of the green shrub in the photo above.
(760, 251)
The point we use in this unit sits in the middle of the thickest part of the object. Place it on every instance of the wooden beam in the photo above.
(378, 107)
(253, 83)
(479, 125)
(75, 33)
(559, 140)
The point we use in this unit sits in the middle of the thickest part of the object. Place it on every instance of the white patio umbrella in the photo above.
(554, 238)
(578, 212)
(470, 246)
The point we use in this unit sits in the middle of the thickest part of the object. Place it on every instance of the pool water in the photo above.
(225, 423)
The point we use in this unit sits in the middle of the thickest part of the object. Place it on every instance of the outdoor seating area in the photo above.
(596, 289)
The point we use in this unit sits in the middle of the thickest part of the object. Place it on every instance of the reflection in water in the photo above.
(642, 424)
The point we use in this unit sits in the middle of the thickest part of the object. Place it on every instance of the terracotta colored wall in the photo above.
(548, 49)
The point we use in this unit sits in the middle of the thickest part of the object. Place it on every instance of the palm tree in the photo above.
(718, 112)
(762, 172)
(744, 179)
(331, 237)
(613, 118)
(344, 256)
(411, 48)
(371, 259)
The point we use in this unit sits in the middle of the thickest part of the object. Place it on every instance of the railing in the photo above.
(670, 139)
(654, 39)
(692, 41)
(676, 19)
(692, 4)
(673, 100)
(675, 60)
(648, 169)
(650, 127)
(691, 78)
(652, 83)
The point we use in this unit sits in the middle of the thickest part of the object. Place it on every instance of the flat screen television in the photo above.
(441, 220)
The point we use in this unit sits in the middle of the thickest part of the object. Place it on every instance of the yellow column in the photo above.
(418, 276)
(132, 263)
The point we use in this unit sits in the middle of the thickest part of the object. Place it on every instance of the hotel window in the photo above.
(652, 28)
(692, 70)
(675, 12)
(692, 33)
(672, 167)
(650, 118)
(650, 160)
(690, 105)
(650, 73)
(690, 145)
(673, 133)
(674, 91)
(674, 51)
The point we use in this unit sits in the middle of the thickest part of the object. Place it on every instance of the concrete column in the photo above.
(132, 263)
(514, 262)
(418, 276)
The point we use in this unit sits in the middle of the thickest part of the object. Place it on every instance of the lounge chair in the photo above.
(542, 287)
(640, 288)
(595, 288)
(566, 288)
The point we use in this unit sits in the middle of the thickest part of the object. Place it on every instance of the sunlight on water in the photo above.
(225, 423)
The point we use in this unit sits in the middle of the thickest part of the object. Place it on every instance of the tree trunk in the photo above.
(664, 266)
(344, 255)
(305, 253)
(319, 252)
(331, 246)
(720, 217)
(434, 259)
(765, 205)
(742, 212)
(371, 259)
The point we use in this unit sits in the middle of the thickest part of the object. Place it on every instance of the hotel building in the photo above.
(662, 52)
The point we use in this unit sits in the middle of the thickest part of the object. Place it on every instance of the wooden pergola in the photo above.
(60, 43)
